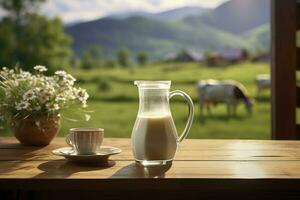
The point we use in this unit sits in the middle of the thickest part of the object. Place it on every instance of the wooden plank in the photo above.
(125, 174)
(13, 143)
(197, 144)
(182, 154)
(188, 150)
(129, 170)
(283, 71)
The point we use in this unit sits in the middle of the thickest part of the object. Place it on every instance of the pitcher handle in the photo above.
(190, 115)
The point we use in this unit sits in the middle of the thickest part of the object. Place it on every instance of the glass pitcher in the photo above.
(154, 136)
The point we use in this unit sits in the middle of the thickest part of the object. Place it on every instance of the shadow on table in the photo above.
(138, 171)
(16, 153)
(64, 169)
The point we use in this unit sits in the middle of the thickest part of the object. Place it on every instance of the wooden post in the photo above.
(283, 26)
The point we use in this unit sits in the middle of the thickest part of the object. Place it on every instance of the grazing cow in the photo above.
(263, 82)
(229, 92)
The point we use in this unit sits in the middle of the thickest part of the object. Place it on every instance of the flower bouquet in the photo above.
(32, 102)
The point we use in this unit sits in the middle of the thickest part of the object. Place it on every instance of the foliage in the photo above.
(259, 37)
(103, 85)
(110, 63)
(7, 43)
(91, 58)
(29, 38)
(142, 58)
(123, 55)
(27, 94)
(19, 8)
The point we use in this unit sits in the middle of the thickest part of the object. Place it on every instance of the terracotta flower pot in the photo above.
(38, 131)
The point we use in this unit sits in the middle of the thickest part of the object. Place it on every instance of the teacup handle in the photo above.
(69, 141)
(190, 114)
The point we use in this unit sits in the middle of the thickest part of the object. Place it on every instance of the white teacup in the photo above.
(85, 141)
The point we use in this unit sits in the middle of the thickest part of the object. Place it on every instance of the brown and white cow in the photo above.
(228, 92)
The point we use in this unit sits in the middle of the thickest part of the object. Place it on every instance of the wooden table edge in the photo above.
(261, 184)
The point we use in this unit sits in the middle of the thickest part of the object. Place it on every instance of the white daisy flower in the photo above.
(61, 73)
(60, 99)
(52, 107)
(43, 98)
(82, 95)
(40, 68)
(69, 79)
(29, 95)
(39, 92)
(24, 105)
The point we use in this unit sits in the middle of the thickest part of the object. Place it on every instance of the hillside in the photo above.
(157, 37)
(235, 23)
(259, 37)
(235, 16)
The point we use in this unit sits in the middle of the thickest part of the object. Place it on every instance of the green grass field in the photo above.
(114, 100)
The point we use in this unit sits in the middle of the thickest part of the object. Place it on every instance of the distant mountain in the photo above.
(235, 16)
(74, 23)
(169, 15)
(157, 37)
(125, 15)
(235, 23)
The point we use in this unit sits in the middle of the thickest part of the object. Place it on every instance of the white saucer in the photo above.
(101, 156)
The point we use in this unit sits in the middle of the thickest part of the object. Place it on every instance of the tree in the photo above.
(110, 63)
(142, 58)
(31, 39)
(17, 9)
(7, 43)
(91, 58)
(123, 55)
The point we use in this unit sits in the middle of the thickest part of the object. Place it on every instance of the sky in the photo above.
(83, 10)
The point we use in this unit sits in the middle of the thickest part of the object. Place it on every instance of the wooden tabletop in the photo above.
(204, 164)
